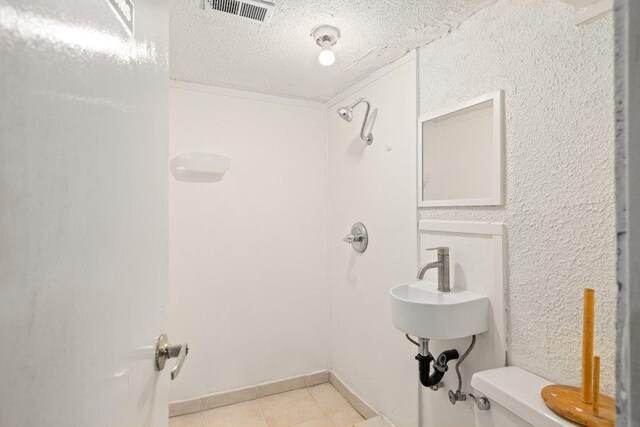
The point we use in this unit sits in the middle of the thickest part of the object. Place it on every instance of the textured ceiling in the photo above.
(215, 48)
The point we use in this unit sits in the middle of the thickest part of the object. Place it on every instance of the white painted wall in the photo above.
(476, 260)
(376, 185)
(248, 254)
(558, 83)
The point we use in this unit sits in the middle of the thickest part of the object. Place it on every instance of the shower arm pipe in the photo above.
(369, 137)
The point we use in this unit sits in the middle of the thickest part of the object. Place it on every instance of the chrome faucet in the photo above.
(443, 268)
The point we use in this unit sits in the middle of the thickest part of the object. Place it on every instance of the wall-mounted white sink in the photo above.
(418, 309)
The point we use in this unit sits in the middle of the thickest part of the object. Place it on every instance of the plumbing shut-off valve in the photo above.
(455, 396)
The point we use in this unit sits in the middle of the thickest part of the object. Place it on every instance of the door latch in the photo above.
(164, 351)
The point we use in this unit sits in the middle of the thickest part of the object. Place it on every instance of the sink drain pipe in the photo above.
(425, 359)
(440, 367)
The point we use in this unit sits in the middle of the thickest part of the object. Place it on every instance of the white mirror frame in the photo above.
(497, 197)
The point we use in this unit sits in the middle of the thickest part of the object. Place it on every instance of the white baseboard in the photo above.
(356, 401)
(244, 394)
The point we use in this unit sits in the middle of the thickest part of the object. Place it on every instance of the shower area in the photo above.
(262, 284)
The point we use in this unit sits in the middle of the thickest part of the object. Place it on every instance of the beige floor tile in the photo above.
(189, 420)
(323, 421)
(377, 421)
(346, 418)
(318, 406)
(329, 399)
(290, 408)
(245, 414)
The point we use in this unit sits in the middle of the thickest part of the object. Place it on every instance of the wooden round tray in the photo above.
(566, 401)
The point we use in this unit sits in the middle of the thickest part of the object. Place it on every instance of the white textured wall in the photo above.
(558, 83)
(248, 254)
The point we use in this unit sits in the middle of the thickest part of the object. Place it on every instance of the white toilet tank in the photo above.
(515, 399)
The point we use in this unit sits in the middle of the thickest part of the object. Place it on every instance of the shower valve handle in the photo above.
(358, 238)
(350, 238)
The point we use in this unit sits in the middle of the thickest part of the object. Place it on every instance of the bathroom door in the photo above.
(83, 212)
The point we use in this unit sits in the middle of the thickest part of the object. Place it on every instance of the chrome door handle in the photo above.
(182, 355)
(164, 351)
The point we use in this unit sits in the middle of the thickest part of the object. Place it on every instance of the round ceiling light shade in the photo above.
(326, 36)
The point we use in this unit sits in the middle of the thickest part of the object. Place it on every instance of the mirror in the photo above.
(460, 154)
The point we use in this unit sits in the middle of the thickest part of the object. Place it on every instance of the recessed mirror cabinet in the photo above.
(460, 154)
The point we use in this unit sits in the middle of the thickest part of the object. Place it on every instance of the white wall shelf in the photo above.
(199, 167)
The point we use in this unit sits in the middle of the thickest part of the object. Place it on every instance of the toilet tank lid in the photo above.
(519, 392)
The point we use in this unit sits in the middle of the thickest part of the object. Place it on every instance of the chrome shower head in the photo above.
(346, 113)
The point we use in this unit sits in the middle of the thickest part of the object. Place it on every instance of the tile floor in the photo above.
(317, 406)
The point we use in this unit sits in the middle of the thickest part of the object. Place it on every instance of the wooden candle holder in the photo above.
(583, 405)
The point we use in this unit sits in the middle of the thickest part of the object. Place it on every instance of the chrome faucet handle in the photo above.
(441, 250)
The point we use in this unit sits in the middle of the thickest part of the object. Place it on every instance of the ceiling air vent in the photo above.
(253, 10)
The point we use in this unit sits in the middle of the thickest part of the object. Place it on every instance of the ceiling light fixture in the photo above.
(326, 36)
